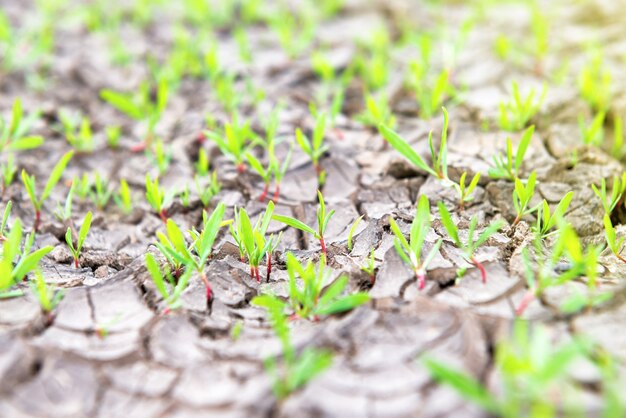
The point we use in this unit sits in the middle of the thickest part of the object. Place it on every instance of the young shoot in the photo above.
(507, 167)
(264, 172)
(546, 221)
(208, 191)
(322, 222)
(377, 112)
(592, 134)
(279, 170)
(123, 198)
(202, 165)
(30, 184)
(7, 173)
(233, 141)
(515, 114)
(352, 231)
(157, 198)
(315, 147)
(64, 213)
(411, 251)
(609, 203)
(471, 243)
(14, 133)
(160, 157)
(439, 159)
(82, 235)
(77, 131)
(522, 195)
(370, 267)
(100, 192)
(47, 296)
(169, 288)
(465, 192)
(615, 244)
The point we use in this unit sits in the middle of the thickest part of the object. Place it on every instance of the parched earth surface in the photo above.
(186, 363)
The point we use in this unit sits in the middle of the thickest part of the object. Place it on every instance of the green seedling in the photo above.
(123, 198)
(465, 192)
(507, 167)
(233, 142)
(377, 112)
(352, 231)
(196, 255)
(184, 196)
(7, 172)
(5, 219)
(371, 63)
(12, 271)
(315, 148)
(308, 300)
(471, 244)
(515, 114)
(100, 192)
(592, 134)
(296, 369)
(144, 105)
(202, 165)
(440, 159)
(595, 83)
(616, 245)
(82, 235)
(295, 32)
(546, 221)
(113, 135)
(522, 195)
(609, 203)
(169, 288)
(617, 149)
(279, 170)
(430, 92)
(157, 198)
(529, 367)
(322, 222)
(83, 186)
(411, 251)
(370, 267)
(14, 133)
(207, 192)
(77, 131)
(64, 213)
(264, 172)
(48, 296)
(55, 175)
(252, 242)
(160, 156)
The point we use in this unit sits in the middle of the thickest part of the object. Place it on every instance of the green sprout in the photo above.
(161, 282)
(430, 93)
(546, 220)
(592, 134)
(64, 213)
(522, 195)
(233, 142)
(279, 170)
(308, 300)
(7, 173)
(471, 244)
(12, 272)
(516, 114)
(529, 367)
(30, 181)
(439, 169)
(377, 112)
(595, 82)
(411, 251)
(157, 198)
(207, 192)
(141, 106)
(82, 235)
(77, 131)
(123, 198)
(160, 156)
(352, 231)
(100, 192)
(506, 167)
(296, 369)
(48, 296)
(264, 172)
(315, 148)
(616, 245)
(14, 134)
(251, 240)
(322, 222)
(5, 219)
(617, 192)
(465, 191)
(370, 267)
(202, 165)
(113, 134)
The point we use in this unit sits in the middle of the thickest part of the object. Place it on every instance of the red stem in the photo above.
(276, 193)
(76, 265)
(209, 292)
(201, 138)
(480, 267)
(163, 215)
(323, 244)
(264, 194)
(269, 266)
(37, 220)
(620, 257)
(241, 168)
(421, 280)
(528, 297)
(373, 279)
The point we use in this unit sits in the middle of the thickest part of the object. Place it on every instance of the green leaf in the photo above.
(157, 277)
(353, 230)
(84, 230)
(29, 263)
(446, 220)
(487, 232)
(26, 143)
(122, 102)
(523, 146)
(344, 304)
(405, 149)
(294, 223)
(399, 235)
(56, 174)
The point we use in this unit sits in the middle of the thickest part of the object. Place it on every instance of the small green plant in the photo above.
(64, 213)
(207, 192)
(430, 92)
(141, 106)
(123, 198)
(377, 112)
(170, 289)
(82, 235)
(47, 296)
(411, 251)
(55, 175)
(7, 173)
(609, 203)
(113, 135)
(157, 198)
(616, 245)
(522, 195)
(546, 220)
(595, 82)
(465, 192)
(17, 261)
(471, 244)
(160, 156)
(14, 134)
(296, 369)
(279, 171)
(83, 186)
(233, 141)
(592, 134)
(370, 267)
(440, 159)
(322, 222)
(315, 148)
(100, 192)
(264, 172)
(251, 240)
(506, 167)
(352, 231)
(5, 219)
(202, 165)
(308, 300)
(516, 114)
(77, 131)
(529, 367)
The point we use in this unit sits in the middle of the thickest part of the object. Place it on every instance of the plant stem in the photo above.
(517, 220)
(620, 257)
(269, 266)
(37, 220)
(421, 279)
(264, 194)
(323, 244)
(209, 292)
(76, 265)
(163, 215)
(528, 297)
(241, 168)
(276, 193)
(480, 267)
